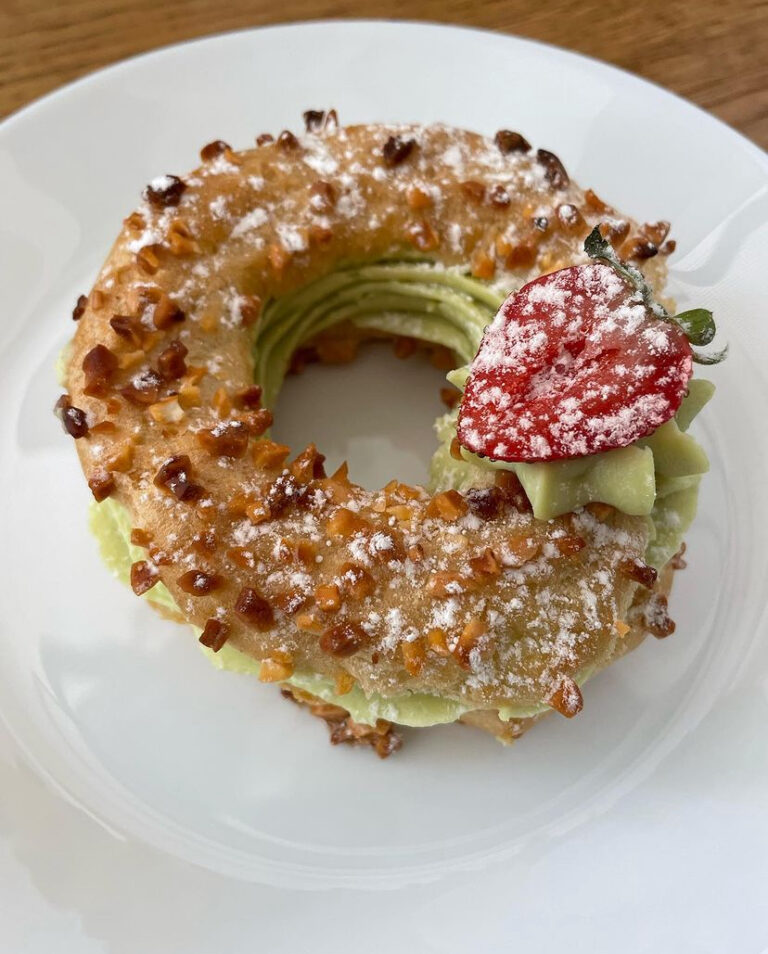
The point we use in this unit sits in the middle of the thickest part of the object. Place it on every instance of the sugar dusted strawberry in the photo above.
(577, 362)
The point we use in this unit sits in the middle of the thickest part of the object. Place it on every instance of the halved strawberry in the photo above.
(574, 363)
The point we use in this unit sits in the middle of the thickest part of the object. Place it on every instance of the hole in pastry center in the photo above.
(376, 412)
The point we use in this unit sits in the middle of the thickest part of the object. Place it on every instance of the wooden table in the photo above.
(710, 51)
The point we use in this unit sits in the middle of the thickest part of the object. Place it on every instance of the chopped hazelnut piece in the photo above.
(343, 639)
(308, 465)
(469, 640)
(276, 668)
(72, 418)
(144, 389)
(508, 141)
(345, 682)
(79, 310)
(438, 641)
(167, 192)
(640, 572)
(267, 455)
(99, 366)
(567, 546)
(170, 361)
(554, 170)
(396, 150)
(484, 502)
(214, 635)
(567, 698)
(414, 655)
(344, 523)
(253, 609)
(198, 583)
(486, 564)
(328, 597)
(228, 439)
(448, 505)
(166, 313)
(102, 483)
(140, 538)
(175, 477)
(287, 141)
(130, 329)
(356, 581)
(313, 119)
(214, 149)
(143, 577)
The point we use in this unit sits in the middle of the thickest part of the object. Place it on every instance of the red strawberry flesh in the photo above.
(573, 364)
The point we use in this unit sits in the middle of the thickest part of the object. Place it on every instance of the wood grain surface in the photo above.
(710, 51)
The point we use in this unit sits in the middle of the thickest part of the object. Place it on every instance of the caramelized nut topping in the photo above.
(263, 138)
(129, 329)
(499, 196)
(249, 397)
(640, 247)
(102, 483)
(656, 617)
(328, 597)
(484, 502)
(640, 572)
(308, 465)
(99, 367)
(343, 639)
(509, 141)
(166, 313)
(147, 258)
(567, 546)
(276, 668)
(414, 656)
(343, 524)
(72, 418)
(175, 477)
(198, 583)
(541, 223)
(438, 641)
(356, 581)
(205, 541)
(615, 230)
(79, 310)
(423, 236)
(143, 577)
(569, 217)
(396, 150)
(469, 639)
(313, 119)
(567, 698)
(253, 609)
(322, 196)
(486, 564)
(257, 421)
(214, 635)
(167, 192)
(595, 203)
(214, 149)
(140, 538)
(250, 310)
(170, 361)
(228, 439)
(144, 388)
(508, 484)
(286, 140)
(448, 505)
(554, 170)
(268, 455)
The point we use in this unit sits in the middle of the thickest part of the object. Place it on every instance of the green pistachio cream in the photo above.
(656, 477)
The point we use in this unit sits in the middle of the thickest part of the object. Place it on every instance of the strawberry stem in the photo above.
(697, 324)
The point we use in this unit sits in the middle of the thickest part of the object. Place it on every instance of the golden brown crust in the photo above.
(393, 589)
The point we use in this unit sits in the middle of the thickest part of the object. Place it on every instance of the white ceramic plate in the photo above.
(152, 804)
